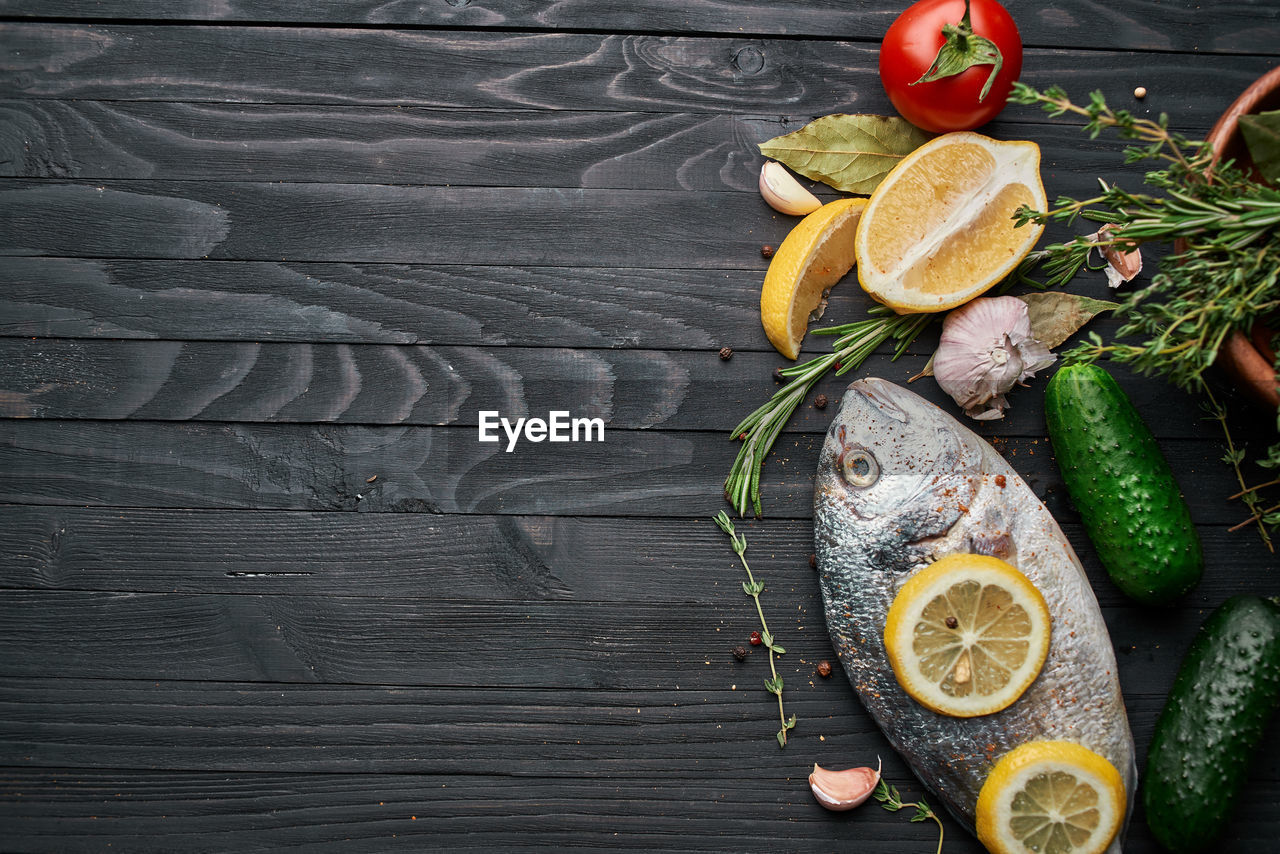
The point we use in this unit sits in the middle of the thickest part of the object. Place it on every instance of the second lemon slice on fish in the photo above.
(1056, 797)
(967, 635)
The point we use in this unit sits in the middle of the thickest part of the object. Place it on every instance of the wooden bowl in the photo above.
(1242, 356)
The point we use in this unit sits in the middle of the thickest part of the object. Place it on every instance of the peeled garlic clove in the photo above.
(1122, 265)
(843, 790)
(784, 193)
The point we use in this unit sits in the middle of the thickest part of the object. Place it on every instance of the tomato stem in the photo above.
(962, 50)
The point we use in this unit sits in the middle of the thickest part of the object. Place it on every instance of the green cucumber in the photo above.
(1121, 484)
(1212, 723)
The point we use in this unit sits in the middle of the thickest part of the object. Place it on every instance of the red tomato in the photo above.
(950, 103)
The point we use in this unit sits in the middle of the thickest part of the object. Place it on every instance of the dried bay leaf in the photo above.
(850, 152)
(1056, 315)
(1262, 135)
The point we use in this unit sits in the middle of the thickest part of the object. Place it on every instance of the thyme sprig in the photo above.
(1223, 277)
(754, 588)
(892, 801)
(759, 430)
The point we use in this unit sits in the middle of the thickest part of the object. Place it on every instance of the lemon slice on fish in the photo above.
(1054, 797)
(967, 635)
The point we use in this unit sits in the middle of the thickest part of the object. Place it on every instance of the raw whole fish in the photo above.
(901, 483)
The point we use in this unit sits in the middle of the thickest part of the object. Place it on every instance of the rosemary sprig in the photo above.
(892, 801)
(759, 430)
(1224, 277)
(754, 588)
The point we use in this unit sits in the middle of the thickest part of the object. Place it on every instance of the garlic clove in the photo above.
(843, 790)
(1122, 265)
(784, 193)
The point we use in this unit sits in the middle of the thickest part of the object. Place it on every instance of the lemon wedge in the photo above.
(938, 230)
(814, 256)
(1054, 797)
(967, 635)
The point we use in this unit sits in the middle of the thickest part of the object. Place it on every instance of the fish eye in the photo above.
(860, 467)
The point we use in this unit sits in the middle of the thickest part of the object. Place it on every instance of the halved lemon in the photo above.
(938, 230)
(1051, 797)
(967, 635)
(814, 256)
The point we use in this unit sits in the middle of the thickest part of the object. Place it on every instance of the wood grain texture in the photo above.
(385, 384)
(390, 304)
(445, 469)
(1234, 27)
(336, 143)
(560, 71)
(380, 223)
(205, 812)
(552, 644)
(465, 558)
(239, 727)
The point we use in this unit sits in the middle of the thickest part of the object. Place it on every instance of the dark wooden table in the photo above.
(263, 264)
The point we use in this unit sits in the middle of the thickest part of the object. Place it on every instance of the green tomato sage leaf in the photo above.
(1262, 135)
(850, 152)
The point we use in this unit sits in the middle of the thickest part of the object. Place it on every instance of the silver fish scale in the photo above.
(941, 489)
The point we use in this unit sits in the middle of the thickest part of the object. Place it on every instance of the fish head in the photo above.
(895, 471)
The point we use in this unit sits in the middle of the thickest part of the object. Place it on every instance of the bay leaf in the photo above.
(1262, 135)
(850, 152)
(1056, 315)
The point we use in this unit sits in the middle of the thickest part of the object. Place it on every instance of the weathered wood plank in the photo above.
(1233, 27)
(85, 810)
(402, 304)
(547, 71)
(379, 223)
(501, 644)
(445, 469)
(604, 735)
(459, 557)
(339, 143)
(382, 384)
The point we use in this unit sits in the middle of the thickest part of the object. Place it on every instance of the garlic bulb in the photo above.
(985, 350)
(843, 790)
(784, 193)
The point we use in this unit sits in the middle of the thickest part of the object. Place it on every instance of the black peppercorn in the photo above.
(766, 251)
(952, 622)
(740, 653)
(726, 353)
(824, 669)
(820, 402)
(813, 561)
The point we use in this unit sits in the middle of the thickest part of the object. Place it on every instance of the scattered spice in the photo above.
(740, 653)
(767, 251)
(813, 561)
(726, 353)
(371, 479)
(820, 402)
(1140, 92)
(824, 668)
(777, 375)
(952, 622)
(756, 639)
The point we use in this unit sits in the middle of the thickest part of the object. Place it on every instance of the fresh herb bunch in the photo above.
(754, 588)
(1224, 277)
(759, 430)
